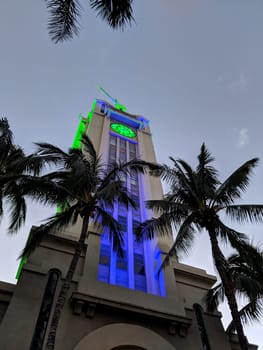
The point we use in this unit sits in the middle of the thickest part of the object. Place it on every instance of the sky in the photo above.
(192, 67)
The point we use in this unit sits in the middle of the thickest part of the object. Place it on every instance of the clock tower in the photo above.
(114, 303)
(120, 137)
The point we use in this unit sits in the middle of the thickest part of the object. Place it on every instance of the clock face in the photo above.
(123, 130)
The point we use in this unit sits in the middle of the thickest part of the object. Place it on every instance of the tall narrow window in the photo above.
(128, 270)
(104, 262)
(45, 310)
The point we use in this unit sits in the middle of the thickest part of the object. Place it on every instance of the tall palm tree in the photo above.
(13, 164)
(87, 189)
(65, 14)
(247, 275)
(196, 201)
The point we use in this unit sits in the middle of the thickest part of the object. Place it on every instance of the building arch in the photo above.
(128, 347)
(123, 336)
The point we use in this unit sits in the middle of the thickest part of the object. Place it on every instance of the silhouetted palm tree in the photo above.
(195, 202)
(13, 163)
(65, 14)
(87, 189)
(247, 275)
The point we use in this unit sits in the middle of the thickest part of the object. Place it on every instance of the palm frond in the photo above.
(244, 213)
(185, 236)
(214, 297)
(80, 177)
(204, 158)
(89, 148)
(185, 181)
(206, 174)
(117, 13)
(191, 175)
(17, 212)
(19, 163)
(115, 192)
(166, 173)
(135, 165)
(43, 190)
(253, 311)
(183, 242)
(235, 184)
(112, 225)
(63, 22)
(6, 137)
(50, 155)
(162, 205)
(237, 239)
(1, 206)
(149, 228)
(116, 170)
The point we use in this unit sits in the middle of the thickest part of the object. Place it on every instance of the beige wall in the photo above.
(125, 334)
(140, 318)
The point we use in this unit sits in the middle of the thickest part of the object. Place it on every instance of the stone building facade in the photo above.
(114, 303)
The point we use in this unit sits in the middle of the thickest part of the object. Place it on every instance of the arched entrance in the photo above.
(123, 336)
(128, 347)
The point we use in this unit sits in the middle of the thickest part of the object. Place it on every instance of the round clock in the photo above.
(123, 130)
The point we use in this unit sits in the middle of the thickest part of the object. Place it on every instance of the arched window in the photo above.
(128, 347)
(45, 309)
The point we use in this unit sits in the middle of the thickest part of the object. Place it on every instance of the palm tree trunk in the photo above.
(221, 266)
(50, 344)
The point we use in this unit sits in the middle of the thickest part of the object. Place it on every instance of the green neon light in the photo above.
(120, 107)
(123, 130)
(23, 261)
(80, 131)
(82, 127)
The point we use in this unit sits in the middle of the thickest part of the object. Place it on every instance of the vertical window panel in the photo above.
(122, 270)
(104, 263)
(132, 150)
(139, 272)
(127, 270)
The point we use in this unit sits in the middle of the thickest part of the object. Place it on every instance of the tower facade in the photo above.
(121, 137)
(115, 303)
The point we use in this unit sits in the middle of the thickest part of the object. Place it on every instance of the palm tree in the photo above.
(13, 164)
(195, 202)
(247, 275)
(64, 16)
(87, 189)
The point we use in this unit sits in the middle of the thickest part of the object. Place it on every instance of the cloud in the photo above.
(243, 138)
(238, 85)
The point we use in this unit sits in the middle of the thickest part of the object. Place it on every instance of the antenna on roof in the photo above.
(113, 100)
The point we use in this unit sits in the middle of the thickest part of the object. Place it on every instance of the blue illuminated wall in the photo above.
(137, 269)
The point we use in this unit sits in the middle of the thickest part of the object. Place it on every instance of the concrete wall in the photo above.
(106, 319)
(6, 293)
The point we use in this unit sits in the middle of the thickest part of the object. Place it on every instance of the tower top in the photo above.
(117, 105)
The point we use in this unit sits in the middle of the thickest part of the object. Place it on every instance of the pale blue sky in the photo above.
(193, 67)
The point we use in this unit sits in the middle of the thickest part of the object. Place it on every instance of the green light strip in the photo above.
(23, 261)
(80, 131)
(82, 126)
(120, 107)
